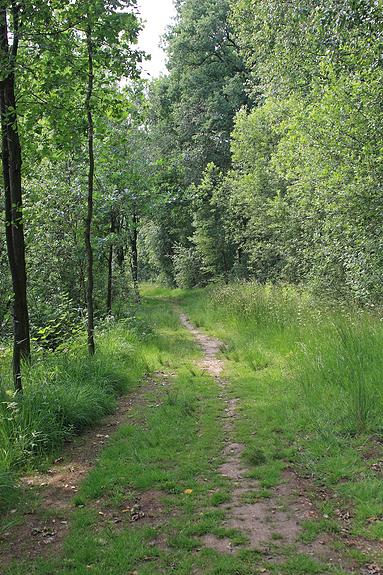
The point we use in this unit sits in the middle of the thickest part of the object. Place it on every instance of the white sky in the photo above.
(157, 15)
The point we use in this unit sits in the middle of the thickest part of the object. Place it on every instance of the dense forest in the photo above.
(252, 168)
(272, 123)
(257, 157)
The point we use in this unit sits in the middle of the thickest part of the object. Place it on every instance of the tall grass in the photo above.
(64, 392)
(331, 356)
(67, 391)
(340, 368)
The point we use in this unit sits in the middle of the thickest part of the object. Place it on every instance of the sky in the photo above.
(158, 15)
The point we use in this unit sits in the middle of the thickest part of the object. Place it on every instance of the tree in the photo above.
(216, 250)
(89, 216)
(205, 87)
(11, 166)
(78, 52)
(99, 39)
(192, 112)
(105, 23)
(127, 173)
(320, 63)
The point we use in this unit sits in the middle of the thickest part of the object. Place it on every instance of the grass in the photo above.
(67, 391)
(309, 377)
(170, 448)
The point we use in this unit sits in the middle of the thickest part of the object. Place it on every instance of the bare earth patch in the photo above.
(268, 523)
(223, 545)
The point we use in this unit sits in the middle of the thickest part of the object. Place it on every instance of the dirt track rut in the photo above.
(269, 523)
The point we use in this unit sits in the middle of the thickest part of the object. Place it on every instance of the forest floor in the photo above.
(171, 484)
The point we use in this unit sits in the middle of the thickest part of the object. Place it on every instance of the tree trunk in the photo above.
(120, 257)
(89, 217)
(110, 269)
(134, 256)
(120, 251)
(11, 163)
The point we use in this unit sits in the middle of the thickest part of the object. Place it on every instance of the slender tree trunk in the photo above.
(11, 163)
(120, 252)
(110, 281)
(89, 217)
(110, 268)
(120, 258)
(134, 256)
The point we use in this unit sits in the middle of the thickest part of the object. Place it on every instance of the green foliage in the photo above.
(188, 267)
(205, 85)
(210, 217)
(258, 156)
(298, 194)
(307, 162)
(63, 325)
(190, 119)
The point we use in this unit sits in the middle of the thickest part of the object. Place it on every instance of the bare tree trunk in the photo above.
(120, 251)
(88, 222)
(110, 268)
(11, 163)
(134, 256)
(110, 281)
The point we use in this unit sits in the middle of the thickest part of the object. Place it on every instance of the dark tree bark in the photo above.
(120, 255)
(89, 217)
(110, 268)
(133, 236)
(11, 163)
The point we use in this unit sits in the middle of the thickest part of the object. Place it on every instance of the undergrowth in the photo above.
(67, 391)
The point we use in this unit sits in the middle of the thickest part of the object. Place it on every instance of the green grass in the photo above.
(176, 448)
(309, 378)
(170, 447)
(67, 391)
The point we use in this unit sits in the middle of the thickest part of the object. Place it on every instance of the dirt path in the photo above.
(270, 523)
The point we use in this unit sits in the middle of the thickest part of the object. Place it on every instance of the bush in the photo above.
(64, 323)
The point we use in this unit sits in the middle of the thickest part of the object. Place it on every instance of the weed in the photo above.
(219, 498)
